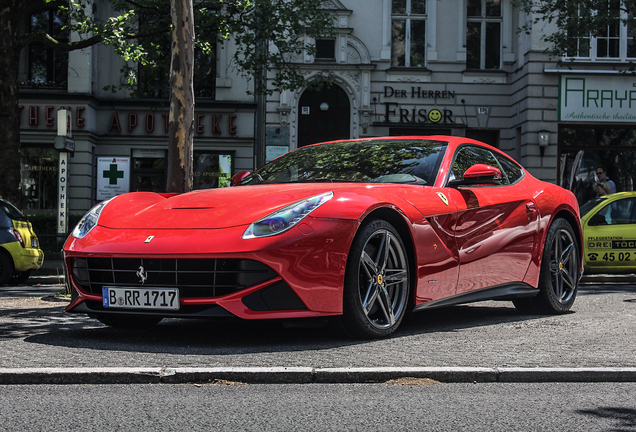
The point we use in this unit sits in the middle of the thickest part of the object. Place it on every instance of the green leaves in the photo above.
(270, 36)
(576, 21)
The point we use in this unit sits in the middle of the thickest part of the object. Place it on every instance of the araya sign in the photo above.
(598, 99)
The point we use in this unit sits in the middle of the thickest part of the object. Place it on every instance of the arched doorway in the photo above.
(324, 115)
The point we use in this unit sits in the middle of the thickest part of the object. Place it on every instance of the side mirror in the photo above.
(236, 178)
(479, 174)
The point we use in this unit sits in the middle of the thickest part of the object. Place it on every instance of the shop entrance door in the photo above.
(323, 115)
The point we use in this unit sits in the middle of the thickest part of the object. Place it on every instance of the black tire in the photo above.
(377, 281)
(21, 277)
(128, 321)
(6, 268)
(560, 273)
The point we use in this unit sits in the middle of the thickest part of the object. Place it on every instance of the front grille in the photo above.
(193, 277)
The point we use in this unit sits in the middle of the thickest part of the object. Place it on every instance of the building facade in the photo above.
(391, 67)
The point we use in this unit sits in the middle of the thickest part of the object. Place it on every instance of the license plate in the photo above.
(140, 298)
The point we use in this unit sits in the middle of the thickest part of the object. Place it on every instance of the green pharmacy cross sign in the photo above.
(113, 174)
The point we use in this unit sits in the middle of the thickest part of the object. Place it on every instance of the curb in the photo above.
(308, 375)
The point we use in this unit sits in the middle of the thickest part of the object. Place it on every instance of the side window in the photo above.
(622, 212)
(511, 171)
(468, 156)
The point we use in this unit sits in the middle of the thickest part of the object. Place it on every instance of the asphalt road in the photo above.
(35, 332)
(570, 407)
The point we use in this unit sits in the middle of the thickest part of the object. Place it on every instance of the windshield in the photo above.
(585, 208)
(405, 161)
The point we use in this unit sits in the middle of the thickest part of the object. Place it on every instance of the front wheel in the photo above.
(560, 272)
(377, 282)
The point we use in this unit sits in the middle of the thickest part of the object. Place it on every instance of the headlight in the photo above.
(285, 218)
(89, 220)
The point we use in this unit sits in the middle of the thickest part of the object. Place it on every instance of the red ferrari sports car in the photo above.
(363, 230)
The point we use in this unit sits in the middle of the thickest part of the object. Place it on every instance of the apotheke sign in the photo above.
(605, 99)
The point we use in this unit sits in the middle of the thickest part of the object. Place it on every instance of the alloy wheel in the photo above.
(383, 279)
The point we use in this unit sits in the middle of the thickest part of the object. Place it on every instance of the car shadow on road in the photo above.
(600, 289)
(451, 319)
(232, 336)
(625, 417)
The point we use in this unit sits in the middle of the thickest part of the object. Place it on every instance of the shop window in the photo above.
(148, 171)
(487, 136)
(483, 34)
(616, 39)
(407, 131)
(39, 178)
(408, 33)
(47, 66)
(583, 149)
(212, 169)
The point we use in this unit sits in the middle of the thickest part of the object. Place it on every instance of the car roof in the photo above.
(11, 211)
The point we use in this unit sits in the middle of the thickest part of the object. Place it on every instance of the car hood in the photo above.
(206, 209)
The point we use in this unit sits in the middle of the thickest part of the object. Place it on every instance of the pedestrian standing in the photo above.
(601, 173)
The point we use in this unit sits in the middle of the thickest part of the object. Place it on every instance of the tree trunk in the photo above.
(9, 120)
(181, 126)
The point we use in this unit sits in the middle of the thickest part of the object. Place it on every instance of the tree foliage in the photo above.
(268, 35)
(578, 20)
(135, 30)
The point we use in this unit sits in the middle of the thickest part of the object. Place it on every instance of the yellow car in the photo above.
(609, 233)
(20, 252)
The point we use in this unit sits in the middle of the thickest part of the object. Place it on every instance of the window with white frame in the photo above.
(483, 34)
(408, 33)
(616, 39)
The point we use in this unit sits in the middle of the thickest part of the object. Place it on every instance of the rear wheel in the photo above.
(560, 273)
(6, 268)
(128, 321)
(377, 282)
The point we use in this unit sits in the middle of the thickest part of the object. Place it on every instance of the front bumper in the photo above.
(302, 270)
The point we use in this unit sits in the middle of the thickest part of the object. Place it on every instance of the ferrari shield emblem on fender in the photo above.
(442, 197)
(149, 239)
